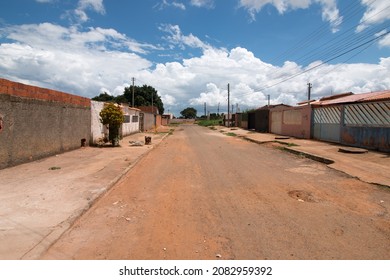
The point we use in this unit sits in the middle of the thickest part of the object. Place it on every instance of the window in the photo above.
(127, 119)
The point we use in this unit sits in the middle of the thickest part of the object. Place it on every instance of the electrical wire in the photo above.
(339, 46)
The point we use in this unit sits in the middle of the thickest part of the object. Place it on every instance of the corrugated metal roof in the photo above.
(354, 98)
(382, 95)
(273, 106)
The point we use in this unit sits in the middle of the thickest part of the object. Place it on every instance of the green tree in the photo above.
(112, 116)
(104, 97)
(144, 96)
(189, 113)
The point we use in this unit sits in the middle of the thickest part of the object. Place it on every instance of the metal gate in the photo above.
(276, 122)
(326, 123)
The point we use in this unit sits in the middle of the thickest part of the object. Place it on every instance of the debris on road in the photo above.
(135, 143)
(54, 168)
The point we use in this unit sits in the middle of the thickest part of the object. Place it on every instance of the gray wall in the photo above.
(34, 128)
(148, 121)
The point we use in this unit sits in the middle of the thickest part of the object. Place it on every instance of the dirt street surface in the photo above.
(205, 195)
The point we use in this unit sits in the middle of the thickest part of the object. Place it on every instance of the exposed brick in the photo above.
(34, 92)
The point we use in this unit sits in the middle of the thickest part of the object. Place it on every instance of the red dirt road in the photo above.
(204, 195)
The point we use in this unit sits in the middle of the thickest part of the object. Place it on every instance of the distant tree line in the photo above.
(143, 96)
(191, 113)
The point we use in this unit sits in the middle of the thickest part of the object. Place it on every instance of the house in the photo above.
(291, 121)
(129, 126)
(150, 118)
(360, 120)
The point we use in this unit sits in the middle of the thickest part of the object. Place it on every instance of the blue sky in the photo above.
(190, 50)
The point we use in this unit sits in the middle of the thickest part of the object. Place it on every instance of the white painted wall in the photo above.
(97, 128)
(133, 126)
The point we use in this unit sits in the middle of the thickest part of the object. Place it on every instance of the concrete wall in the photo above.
(39, 122)
(98, 130)
(149, 120)
(165, 120)
(291, 121)
(158, 120)
(131, 127)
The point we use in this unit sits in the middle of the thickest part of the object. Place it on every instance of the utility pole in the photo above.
(309, 87)
(269, 97)
(228, 105)
(154, 116)
(132, 100)
(205, 109)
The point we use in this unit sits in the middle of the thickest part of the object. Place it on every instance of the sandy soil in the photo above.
(204, 195)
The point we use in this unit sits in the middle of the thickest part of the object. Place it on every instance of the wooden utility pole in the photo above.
(309, 87)
(132, 99)
(228, 116)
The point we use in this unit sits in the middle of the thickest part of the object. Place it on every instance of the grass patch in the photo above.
(292, 145)
(287, 144)
(231, 134)
(209, 122)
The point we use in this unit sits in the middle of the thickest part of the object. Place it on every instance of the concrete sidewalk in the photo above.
(40, 200)
(371, 167)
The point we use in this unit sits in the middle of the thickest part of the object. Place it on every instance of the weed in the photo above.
(231, 134)
(208, 122)
(54, 168)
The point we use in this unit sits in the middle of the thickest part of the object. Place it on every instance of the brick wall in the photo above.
(33, 92)
(39, 122)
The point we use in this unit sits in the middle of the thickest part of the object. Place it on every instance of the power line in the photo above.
(333, 58)
(318, 33)
(342, 46)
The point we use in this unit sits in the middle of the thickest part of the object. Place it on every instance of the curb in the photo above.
(310, 156)
(40, 248)
(293, 151)
(256, 141)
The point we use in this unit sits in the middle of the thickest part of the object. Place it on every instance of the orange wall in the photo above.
(33, 92)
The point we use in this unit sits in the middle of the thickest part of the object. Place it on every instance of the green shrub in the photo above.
(112, 116)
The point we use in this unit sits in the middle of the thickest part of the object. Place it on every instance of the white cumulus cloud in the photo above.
(89, 61)
(203, 3)
(330, 11)
(69, 59)
(377, 12)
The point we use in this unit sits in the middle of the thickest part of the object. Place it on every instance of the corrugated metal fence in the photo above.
(362, 124)
(368, 114)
